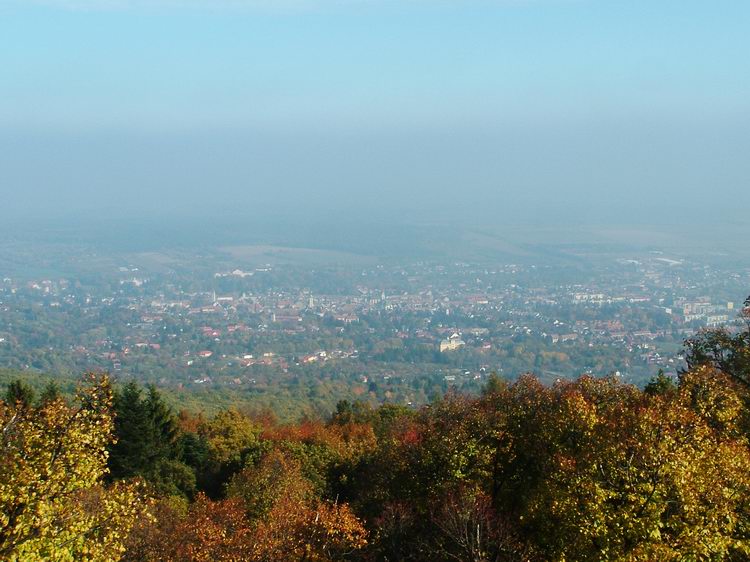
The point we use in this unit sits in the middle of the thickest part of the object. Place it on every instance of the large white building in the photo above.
(452, 343)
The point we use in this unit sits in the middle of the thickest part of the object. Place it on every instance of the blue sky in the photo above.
(101, 64)
(550, 81)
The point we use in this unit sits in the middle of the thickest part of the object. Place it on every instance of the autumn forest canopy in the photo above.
(589, 469)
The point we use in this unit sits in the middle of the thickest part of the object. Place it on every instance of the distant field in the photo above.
(86, 250)
(706, 240)
(262, 254)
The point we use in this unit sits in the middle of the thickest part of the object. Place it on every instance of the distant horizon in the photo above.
(722, 244)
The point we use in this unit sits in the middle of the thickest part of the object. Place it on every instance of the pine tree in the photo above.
(20, 394)
(147, 442)
(132, 454)
(163, 427)
(50, 393)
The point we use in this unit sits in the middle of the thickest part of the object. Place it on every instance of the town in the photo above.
(386, 331)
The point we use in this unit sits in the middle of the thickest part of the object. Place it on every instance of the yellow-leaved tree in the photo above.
(53, 504)
(644, 478)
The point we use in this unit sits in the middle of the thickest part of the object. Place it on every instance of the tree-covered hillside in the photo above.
(590, 469)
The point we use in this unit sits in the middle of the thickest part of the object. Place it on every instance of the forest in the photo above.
(580, 470)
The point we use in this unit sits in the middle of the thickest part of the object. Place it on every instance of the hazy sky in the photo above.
(508, 109)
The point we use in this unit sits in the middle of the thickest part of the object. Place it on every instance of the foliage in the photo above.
(52, 461)
(146, 442)
(271, 514)
(468, 528)
(278, 475)
(719, 348)
(590, 469)
(643, 478)
(50, 393)
(296, 531)
(231, 440)
(19, 394)
(660, 384)
(585, 470)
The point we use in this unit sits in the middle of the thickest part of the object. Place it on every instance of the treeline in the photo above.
(591, 469)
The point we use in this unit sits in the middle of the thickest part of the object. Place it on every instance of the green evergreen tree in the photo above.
(147, 442)
(132, 454)
(162, 425)
(19, 393)
(494, 384)
(50, 393)
(661, 384)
